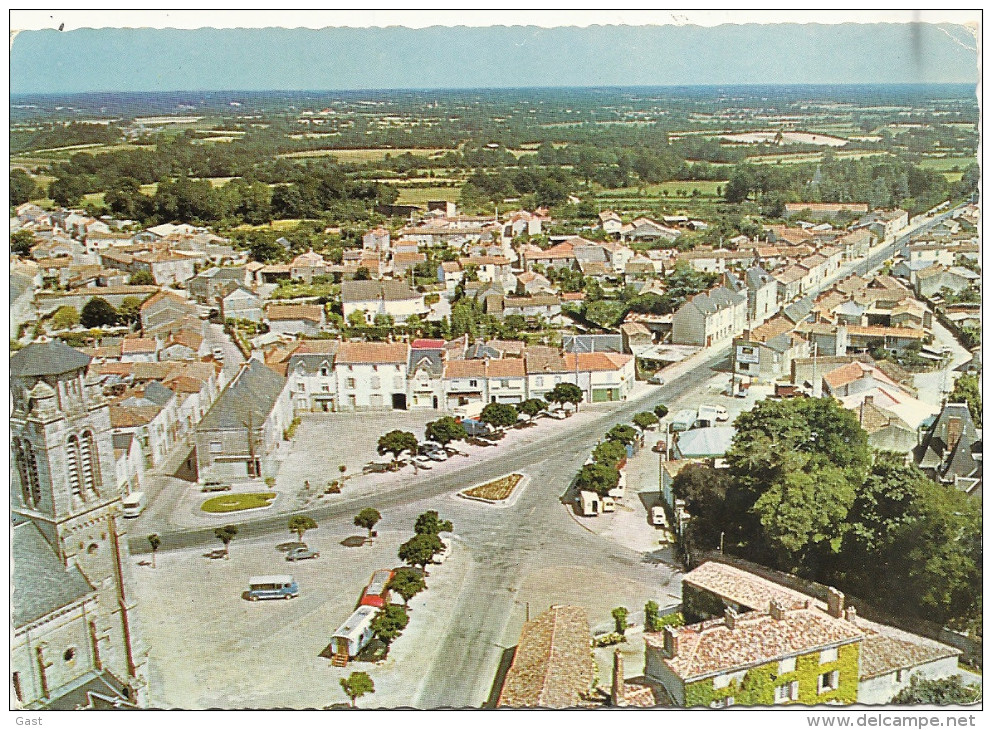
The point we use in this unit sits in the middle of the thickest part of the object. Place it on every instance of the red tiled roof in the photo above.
(358, 353)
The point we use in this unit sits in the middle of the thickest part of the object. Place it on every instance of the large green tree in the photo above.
(430, 523)
(407, 582)
(499, 415)
(420, 549)
(798, 464)
(396, 442)
(389, 623)
(367, 518)
(98, 312)
(598, 478)
(22, 187)
(565, 393)
(445, 430)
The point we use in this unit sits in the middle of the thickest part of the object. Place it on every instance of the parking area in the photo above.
(234, 653)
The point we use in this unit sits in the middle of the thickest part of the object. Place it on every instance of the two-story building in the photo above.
(709, 317)
(372, 376)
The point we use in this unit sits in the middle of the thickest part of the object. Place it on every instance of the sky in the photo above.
(681, 52)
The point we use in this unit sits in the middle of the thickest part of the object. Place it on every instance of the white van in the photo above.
(658, 518)
(134, 504)
(713, 413)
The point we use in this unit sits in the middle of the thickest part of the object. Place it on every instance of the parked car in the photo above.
(658, 518)
(436, 456)
(656, 380)
(660, 447)
(301, 553)
(558, 415)
(212, 485)
(219, 354)
(422, 462)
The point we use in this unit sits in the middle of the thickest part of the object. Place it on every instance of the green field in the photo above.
(364, 155)
(786, 159)
(283, 224)
(706, 188)
(946, 164)
(419, 196)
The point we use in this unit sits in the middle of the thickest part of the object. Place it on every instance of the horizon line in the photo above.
(734, 84)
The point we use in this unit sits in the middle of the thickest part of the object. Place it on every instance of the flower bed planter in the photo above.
(498, 490)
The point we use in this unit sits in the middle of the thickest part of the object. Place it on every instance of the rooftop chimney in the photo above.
(671, 641)
(617, 690)
(835, 603)
(869, 400)
(851, 614)
(777, 610)
(954, 429)
(729, 617)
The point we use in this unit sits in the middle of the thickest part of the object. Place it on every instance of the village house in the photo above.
(308, 265)
(151, 414)
(313, 381)
(210, 285)
(376, 241)
(240, 435)
(295, 319)
(388, 298)
(933, 279)
(450, 274)
(403, 261)
(610, 222)
(709, 317)
(531, 307)
(484, 380)
(139, 349)
(167, 268)
(425, 374)
(241, 303)
(163, 309)
(645, 229)
(559, 256)
(372, 376)
(813, 651)
(885, 223)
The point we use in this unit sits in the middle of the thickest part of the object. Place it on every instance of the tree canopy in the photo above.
(420, 549)
(98, 312)
(445, 430)
(598, 478)
(396, 442)
(430, 523)
(367, 518)
(499, 415)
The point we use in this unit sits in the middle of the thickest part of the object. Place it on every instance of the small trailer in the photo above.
(353, 635)
(376, 593)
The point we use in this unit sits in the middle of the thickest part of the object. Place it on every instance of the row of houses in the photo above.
(330, 375)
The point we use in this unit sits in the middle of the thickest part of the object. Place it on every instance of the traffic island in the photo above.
(238, 502)
(500, 491)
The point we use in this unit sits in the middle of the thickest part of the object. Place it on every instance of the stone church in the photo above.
(75, 634)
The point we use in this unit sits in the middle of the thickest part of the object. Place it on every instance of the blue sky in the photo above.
(119, 59)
